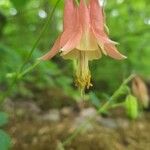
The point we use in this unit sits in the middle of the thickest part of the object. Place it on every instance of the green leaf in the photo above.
(19, 3)
(3, 118)
(131, 106)
(5, 140)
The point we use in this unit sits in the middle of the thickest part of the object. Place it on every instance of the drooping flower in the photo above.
(83, 38)
(140, 90)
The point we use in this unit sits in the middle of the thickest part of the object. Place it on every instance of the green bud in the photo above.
(131, 106)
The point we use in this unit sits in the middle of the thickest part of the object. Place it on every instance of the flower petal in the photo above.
(88, 42)
(113, 52)
(107, 46)
(96, 15)
(72, 42)
(75, 54)
(71, 22)
(84, 14)
(69, 14)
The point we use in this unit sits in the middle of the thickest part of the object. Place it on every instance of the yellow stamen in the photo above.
(83, 75)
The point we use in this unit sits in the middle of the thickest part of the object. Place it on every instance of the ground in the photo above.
(34, 129)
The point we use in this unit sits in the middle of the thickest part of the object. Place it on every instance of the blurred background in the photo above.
(39, 99)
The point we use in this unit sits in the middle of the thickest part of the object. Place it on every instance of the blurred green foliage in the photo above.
(5, 140)
(22, 21)
(3, 119)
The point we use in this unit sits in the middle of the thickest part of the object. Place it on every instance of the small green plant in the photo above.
(5, 140)
(130, 104)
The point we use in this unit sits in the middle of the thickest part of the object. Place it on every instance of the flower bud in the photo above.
(139, 90)
(131, 106)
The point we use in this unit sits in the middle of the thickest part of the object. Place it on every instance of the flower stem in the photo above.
(39, 37)
(20, 72)
(88, 120)
(117, 93)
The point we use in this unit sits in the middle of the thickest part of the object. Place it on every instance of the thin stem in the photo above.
(117, 105)
(29, 69)
(128, 79)
(81, 127)
(40, 35)
(117, 93)
(20, 72)
(77, 131)
(74, 134)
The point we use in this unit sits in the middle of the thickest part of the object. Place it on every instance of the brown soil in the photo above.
(30, 133)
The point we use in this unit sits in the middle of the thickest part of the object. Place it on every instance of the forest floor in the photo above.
(32, 128)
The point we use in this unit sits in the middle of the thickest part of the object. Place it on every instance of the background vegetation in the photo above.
(50, 84)
(21, 23)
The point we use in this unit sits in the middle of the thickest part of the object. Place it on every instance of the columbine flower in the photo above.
(83, 38)
(140, 90)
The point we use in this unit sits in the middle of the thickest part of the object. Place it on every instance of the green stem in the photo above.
(82, 126)
(39, 37)
(29, 69)
(20, 72)
(106, 105)
(117, 105)
(74, 134)
(117, 93)
(77, 131)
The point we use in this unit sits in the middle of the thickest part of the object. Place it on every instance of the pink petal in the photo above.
(70, 38)
(69, 31)
(84, 14)
(72, 42)
(96, 15)
(113, 52)
(69, 14)
(69, 22)
(101, 36)
(53, 51)
(107, 46)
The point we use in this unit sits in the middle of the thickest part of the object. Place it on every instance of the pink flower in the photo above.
(83, 38)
